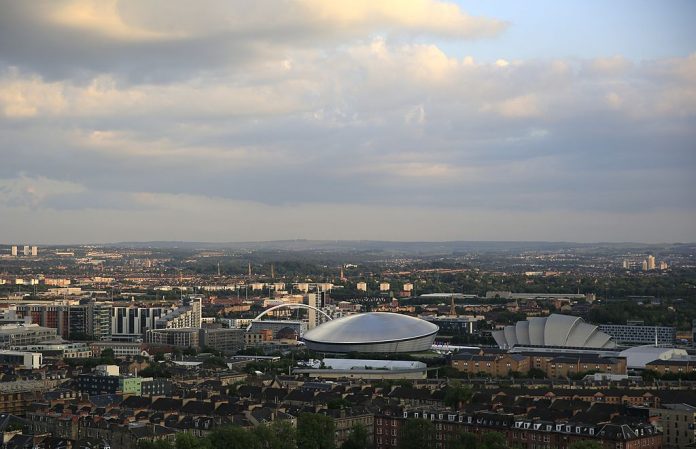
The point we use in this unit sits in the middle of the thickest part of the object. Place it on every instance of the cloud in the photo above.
(102, 17)
(520, 107)
(116, 113)
(34, 191)
(137, 42)
(420, 16)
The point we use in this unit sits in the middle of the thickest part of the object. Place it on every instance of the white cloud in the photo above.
(523, 106)
(432, 16)
(102, 17)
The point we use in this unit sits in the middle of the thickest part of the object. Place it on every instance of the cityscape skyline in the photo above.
(421, 120)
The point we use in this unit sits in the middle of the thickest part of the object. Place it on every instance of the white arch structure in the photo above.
(291, 306)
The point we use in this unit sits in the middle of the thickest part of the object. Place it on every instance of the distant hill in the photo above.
(398, 247)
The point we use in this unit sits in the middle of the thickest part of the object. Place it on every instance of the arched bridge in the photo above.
(290, 306)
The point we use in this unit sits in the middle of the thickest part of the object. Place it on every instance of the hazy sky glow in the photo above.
(361, 119)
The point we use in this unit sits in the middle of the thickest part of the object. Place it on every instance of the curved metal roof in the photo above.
(371, 327)
(554, 330)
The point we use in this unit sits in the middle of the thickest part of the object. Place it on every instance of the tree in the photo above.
(157, 444)
(107, 353)
(358, 439)
(457, 394)
(586, 445)
(187, 441)
(465, 440)
(233, 438)
(315, 431)
(493, 440)
(536, 373)
(278, 435)
(417, 434)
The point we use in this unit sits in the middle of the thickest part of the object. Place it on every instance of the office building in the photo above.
(34, 251)
(677, 423)
(28, 360)
(130, 323)
(628, 334)
(47, 315)
(187, 315)
(26, 250)
(181, 338)
(651, 262)
(91, 319)
(58, 349)
(453, 325)
(361, 286)
(110, 382)
(25, 334)
(317, 300)
(324, 287)
(384, 286)
(13, 250)
(663, 265)
(120, 348)
(155, 387)
(225, 340)
(644, 265)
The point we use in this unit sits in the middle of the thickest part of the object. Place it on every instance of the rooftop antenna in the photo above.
(218, 269)
(249, 269)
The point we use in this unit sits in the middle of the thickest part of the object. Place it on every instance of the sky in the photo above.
(411, 120)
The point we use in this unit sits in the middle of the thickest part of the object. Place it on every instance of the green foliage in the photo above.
(358, 439)
(158, 444)
(446, 372)
(214, 362)
(457, 394)
(188, 441)
(338, 404)
(464, 440)
(233, 438)
(536, 373)
(284, 434)
(417, 434)
(493, 440)
(156, 370)
(315, 431)
(279, 435)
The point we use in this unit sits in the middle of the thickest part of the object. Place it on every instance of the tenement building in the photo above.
(518, 432)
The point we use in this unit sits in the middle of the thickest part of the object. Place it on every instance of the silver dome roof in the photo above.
(371, 327)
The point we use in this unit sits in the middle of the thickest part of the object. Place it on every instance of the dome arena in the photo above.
(372, 332)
